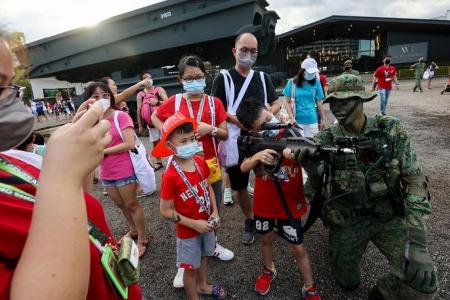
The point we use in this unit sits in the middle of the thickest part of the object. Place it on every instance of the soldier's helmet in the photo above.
(348, 86)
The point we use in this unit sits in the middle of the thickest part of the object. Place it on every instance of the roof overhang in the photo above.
(357, 27)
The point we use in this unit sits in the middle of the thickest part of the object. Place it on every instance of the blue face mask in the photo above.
(194, 87)
(309, 76)
(188, 151)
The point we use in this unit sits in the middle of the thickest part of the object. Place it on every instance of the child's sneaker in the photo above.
(262, 284)
(178, 280)
(311, 293)
(223, 253)
(227, 197)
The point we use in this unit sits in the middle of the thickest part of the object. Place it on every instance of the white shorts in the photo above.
(153, 134)
(309, 130)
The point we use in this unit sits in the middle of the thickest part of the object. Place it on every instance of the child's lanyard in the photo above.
(204, 204)
(200, 109)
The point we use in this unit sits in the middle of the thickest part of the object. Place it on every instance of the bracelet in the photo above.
(214, 131)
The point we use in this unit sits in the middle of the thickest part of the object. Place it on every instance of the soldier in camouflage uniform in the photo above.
(377, 194)
(348, 68)
(419, 69)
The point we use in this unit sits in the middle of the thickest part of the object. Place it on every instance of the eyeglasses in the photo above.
(11, 92)
(247, 50)
(196, 78)
(101, 96)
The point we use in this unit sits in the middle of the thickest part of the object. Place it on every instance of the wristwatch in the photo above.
(214, 131)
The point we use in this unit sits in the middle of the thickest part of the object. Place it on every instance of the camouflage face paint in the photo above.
(345, 110)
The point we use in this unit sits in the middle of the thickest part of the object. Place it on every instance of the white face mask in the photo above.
(16, 121)
(246, 60)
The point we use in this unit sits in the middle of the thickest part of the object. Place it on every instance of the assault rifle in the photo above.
(292, 139)
(249, 145)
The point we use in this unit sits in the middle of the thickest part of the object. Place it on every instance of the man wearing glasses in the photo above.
(232, 86)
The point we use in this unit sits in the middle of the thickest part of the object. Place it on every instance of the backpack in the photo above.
(146, 109)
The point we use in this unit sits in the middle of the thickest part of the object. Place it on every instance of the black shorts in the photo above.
(238, 179)
(292, 234)
(40, 113)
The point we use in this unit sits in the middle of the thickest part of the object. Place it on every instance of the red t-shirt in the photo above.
(174, 188)
(266, 201)
(15, 220)
(323, 80)
(385, 75)
(167, 109)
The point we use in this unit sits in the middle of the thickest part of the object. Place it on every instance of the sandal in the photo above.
(143, 246)
(217, 292)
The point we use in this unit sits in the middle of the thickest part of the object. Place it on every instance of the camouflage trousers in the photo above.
(347, 245)
(418, 82)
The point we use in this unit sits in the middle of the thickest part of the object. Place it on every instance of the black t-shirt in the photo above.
(255, 88)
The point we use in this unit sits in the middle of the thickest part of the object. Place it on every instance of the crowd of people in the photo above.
(371, 191)
(59, 110)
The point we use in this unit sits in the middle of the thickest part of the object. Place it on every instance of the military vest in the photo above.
(366, 182)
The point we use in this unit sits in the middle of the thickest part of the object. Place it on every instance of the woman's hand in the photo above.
(78, 147)
(204, 129)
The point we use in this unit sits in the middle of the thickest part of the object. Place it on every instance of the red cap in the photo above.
(174, 121)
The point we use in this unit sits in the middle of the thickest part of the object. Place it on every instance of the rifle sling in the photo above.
(283, 200)
(316, 203)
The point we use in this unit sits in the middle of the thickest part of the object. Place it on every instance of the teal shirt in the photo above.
(306, 97)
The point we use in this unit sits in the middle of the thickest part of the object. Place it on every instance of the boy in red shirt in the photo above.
(188, 200)
(267, 206)
(384, 76)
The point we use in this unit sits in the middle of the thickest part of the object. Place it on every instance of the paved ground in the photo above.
(427, 118)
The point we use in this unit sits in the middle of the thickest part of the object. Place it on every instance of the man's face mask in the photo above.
(16, 121)
(246, 59)
(345, 110)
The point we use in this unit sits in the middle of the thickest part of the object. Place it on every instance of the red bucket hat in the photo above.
(174, 121)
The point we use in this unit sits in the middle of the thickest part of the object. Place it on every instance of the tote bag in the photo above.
(142, 168)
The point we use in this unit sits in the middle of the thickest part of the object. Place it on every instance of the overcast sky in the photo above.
(42, 18)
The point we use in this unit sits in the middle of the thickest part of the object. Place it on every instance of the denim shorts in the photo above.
(119, 182)
(190, 251)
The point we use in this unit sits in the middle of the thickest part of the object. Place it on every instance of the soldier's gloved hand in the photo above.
(419, 270)
(302, 155)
